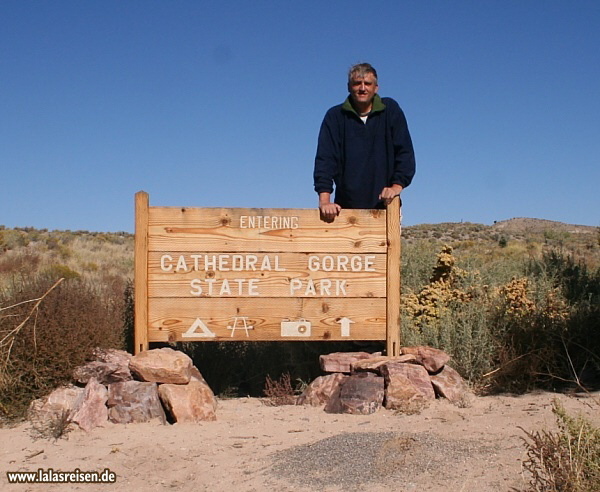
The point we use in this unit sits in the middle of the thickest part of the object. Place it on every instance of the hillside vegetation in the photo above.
(516, 304)
(100, 256)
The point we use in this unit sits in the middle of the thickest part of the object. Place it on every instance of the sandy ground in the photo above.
(255, 447)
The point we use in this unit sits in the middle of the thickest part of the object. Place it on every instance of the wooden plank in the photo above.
(239, 230)
(266, 275)
(330, 319)
(140, 335)
(393, 278)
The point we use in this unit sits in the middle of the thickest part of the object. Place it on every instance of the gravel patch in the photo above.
(352, 459)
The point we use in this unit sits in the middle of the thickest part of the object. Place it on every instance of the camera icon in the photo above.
(300, 328)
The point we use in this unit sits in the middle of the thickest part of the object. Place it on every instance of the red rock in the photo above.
(320, 390)
(405, 383)
(103, 372)
(430, 358)
(112, 356)
(361, 394)
(61, 402)
(163, 365)
(334, 404)
(195, 374)
(193, 402)
(341, 361)
(450, 385)
(92, 411)
(134, 401)
(373, 364)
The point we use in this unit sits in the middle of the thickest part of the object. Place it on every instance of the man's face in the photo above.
(363, 89)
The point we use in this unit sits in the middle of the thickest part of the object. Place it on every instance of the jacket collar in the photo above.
(377, 105)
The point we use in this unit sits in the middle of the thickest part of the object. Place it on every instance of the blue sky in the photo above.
(219, 103)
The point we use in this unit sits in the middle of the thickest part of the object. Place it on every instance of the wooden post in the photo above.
(140, 334)
(393, 331)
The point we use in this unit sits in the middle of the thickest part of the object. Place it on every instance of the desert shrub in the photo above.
(577, 283)
(537, 329)
(432, 301)
(418, 259)
(450, 312)
(528, 321)
(21, 262)
(462, 330)
(12, 239)
(47, 328)
(546, 323)
(280, 391)
(61, 271)
(91, 266)
(567, 460)
(580, 289)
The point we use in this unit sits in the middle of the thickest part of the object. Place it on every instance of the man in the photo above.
(364, 149)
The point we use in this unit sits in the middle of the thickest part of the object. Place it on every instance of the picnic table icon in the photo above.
(243, 320)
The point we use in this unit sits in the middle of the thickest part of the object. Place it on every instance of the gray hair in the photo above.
(361, 69)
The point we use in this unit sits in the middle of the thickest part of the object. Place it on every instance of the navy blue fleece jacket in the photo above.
(360, 159)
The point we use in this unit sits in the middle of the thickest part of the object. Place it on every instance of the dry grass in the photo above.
(53, 428)
(95, 257)
(279, 392)
(566, 460)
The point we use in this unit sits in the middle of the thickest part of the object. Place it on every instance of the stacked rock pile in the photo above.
(158, 384)
(361, 383)
(164, 384)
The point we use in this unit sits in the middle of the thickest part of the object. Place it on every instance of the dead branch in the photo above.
(9, 338)
(504, 365)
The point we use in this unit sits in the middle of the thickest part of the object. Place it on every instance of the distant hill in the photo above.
(518, 236)
(525, 225)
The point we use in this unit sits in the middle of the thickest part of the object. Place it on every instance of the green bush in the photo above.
(538, 329)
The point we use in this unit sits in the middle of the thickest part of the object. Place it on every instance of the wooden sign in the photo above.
(232, 274)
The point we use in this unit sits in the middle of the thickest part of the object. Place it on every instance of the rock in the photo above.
(163, 365)
(134, 401)
(450, 385)
(92, 411)
(373, 364)
(103, 372)
(334, 404)
(193, 402)
(196, 375)
(112, 356)
(61, 402)
(405, 383)
(320, 390)
(341, 361)
(430, 358)
(361, 394)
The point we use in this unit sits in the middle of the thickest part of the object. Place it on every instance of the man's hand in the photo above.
(329, 211)
(389, 193)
